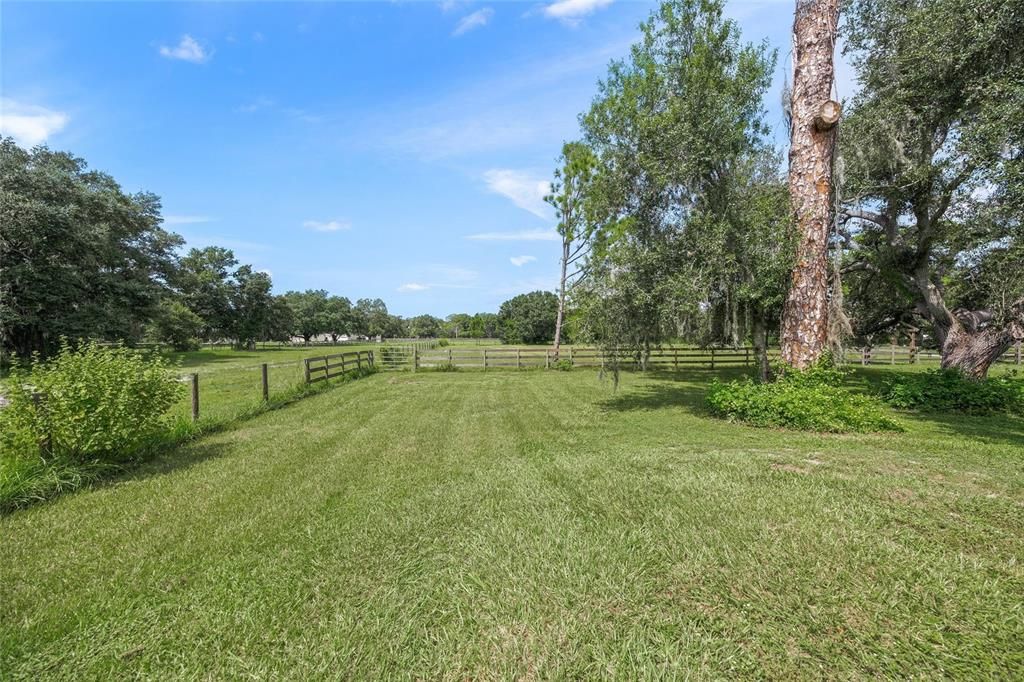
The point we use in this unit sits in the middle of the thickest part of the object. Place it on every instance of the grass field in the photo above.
(532, 524)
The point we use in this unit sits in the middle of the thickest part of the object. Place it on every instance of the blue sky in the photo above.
(391, 149)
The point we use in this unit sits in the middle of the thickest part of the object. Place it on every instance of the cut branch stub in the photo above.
(828, 115)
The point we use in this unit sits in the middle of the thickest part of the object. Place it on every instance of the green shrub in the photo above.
(563, 365)
(442, 343)
(98, 403)
(812, 400)
(446, 367)
(945, 390)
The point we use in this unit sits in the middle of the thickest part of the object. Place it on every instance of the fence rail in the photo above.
(324, 367)
(668, 358)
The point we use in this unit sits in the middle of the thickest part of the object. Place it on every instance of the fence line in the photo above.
(667, 358)
(326, 367)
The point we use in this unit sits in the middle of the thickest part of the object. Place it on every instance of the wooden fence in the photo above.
(902, 355)
(547, 358)
(664, 359)
(324, 367)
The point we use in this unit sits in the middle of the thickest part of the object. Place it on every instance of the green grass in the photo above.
(529, 524)
(229, 380)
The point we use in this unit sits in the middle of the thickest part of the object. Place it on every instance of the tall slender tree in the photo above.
(813, 118)
(569, 193)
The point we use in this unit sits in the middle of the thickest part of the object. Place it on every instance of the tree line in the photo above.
(901, 215)
(82, 259)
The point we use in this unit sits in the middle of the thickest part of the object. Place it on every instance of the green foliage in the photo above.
(98, 403)
(812, 400)
(80, 257)
(563, 365)
(694, 218)
(944, 390)
(176, 325)
(424, 326)
(529, 318)
(447, 367)
(443, 343)
(932, 164)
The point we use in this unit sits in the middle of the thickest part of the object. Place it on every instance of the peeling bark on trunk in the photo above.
(812, 142)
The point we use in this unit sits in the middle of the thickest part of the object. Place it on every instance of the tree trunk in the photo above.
(812, 142)
(561, 297)
(974, 352)
(759, 334)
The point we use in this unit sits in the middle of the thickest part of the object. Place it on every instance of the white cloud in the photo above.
(522, 236)
(520, 261)
(526, 191)
(474, 20)
(260, 102)
(186, 219)
(29, 124)
(187, 49)
(413, 286)
(571, 11)
(327, 226)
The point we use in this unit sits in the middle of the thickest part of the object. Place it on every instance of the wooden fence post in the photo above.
(864, 356)
(370, 358)
(675, 359)
(547, 359)
(712, 358)
(570, 357)
(1016, 360)
(415, 359)
(892, 350)
(305, 362)
(449, 355)
(195, 396)
(485, 359)
(518, 362)
(359, 360)
(266, 383)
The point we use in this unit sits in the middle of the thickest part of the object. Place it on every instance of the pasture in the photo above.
(530, 524)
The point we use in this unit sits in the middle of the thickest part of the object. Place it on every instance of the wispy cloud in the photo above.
(413, 286)
(327, 225)
(524, 190)
(187, 49)
(522, 236)
(571, 11)
(473, 20)
(186, 219)
(260, 102)
(532, 101)
(29, 124)
(520, 261)
(441, 277)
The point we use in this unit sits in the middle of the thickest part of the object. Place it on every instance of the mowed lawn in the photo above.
(530, 525)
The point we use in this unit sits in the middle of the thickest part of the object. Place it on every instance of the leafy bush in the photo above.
(98, 403)
(812, 400)
(948, 390)
(442, 343)
(563, 365)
